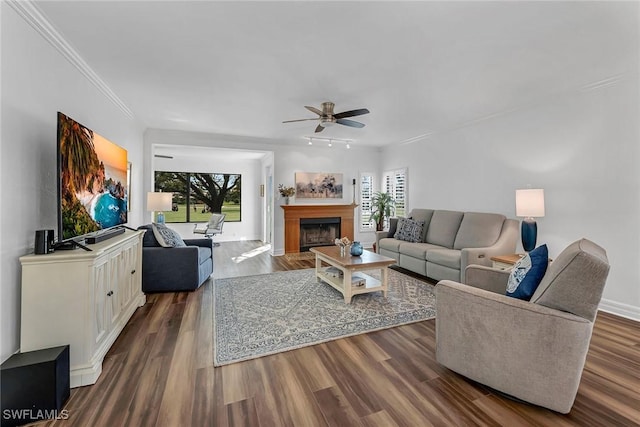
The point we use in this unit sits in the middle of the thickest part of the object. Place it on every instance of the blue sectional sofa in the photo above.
(174, 269)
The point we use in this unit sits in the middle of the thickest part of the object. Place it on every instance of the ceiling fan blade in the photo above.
(313, 110)
(351, 123)
(351, 113)
(319, 128)
(299, 120)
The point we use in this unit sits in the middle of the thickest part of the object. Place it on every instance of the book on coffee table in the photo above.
(334, 272)
(356, 279)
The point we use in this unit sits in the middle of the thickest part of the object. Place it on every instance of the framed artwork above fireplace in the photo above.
(318, 185)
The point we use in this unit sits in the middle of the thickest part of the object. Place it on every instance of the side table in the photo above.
(505, 262)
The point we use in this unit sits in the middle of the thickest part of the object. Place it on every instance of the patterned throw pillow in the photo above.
(398, 226)
(167, 237)
(409, 230)
(528, 273)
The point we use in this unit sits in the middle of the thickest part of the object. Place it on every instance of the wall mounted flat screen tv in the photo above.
(92, 177)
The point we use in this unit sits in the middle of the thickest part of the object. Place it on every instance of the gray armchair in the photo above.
(532, 350)
(174, 269)
(212, 227)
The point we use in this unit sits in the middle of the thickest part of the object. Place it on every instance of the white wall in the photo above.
(582, 147)
(37, 81)
(249, 227)
(287, 159)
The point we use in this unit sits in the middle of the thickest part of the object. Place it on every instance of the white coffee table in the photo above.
(349, 265)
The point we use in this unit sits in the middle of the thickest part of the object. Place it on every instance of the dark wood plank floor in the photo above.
(160, 373)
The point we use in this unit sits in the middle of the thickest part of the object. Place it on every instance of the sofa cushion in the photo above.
(478, 230)
(390, 244)
(422, 215)
(527, 273)
(167, 237)
(409, 230)
(149, 240)
(417, 250)
(575, 280)
(393, 225)
(443, 228)
(447, 257)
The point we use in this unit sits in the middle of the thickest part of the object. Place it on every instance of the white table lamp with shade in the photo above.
(159, 202)
(530, 205)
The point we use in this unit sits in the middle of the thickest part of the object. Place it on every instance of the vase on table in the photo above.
(286, 200)
(356, 249)
(343, 250)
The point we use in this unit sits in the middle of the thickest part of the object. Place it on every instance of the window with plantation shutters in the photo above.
(395, 183)
(366, 192)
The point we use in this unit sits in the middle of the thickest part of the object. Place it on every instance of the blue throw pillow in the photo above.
(528, 273)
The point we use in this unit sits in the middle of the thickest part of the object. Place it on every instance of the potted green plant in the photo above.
(382, 207)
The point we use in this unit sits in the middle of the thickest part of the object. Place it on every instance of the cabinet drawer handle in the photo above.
(109, 293)
(133, 271)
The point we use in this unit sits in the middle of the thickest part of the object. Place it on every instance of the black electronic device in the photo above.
(103, 235)
(92, 182)
(44, 242)
(35, 385)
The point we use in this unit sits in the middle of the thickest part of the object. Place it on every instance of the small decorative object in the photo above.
(356, 249)
(530, 205)
(286, 192)
(342, 244)
(159, 202)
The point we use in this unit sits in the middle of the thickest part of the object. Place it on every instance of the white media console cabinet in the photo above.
(83, 299)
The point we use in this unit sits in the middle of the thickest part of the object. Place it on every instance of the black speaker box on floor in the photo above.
(34, 386)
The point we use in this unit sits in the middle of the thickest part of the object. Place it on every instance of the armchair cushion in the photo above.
(527, 273)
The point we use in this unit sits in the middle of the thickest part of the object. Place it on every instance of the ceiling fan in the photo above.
(328, 118)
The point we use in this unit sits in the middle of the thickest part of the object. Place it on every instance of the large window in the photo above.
(395, 183)
(366, 193)
(197, 195)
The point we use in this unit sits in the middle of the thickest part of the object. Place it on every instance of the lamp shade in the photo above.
(530, 203)
(158, 202)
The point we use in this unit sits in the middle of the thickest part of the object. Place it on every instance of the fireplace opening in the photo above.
(318, 232)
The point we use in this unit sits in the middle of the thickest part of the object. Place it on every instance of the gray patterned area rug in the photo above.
(259, 315)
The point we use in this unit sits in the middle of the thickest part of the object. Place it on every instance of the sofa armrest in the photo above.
(380, 235)
(487, 278)
(165, 267)
(509, 344)
(203, 243)
(506, 244)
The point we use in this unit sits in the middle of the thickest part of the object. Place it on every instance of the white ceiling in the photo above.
(241, 68)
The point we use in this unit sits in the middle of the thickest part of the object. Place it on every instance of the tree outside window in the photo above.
(197, 195)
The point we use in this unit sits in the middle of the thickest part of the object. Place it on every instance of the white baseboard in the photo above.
(624, 310)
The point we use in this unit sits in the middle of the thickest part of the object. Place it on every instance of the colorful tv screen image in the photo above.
(93, 177)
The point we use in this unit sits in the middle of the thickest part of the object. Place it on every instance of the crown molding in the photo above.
(36, 19)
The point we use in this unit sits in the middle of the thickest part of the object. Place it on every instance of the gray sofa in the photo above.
(174, 269)
(450, 241)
